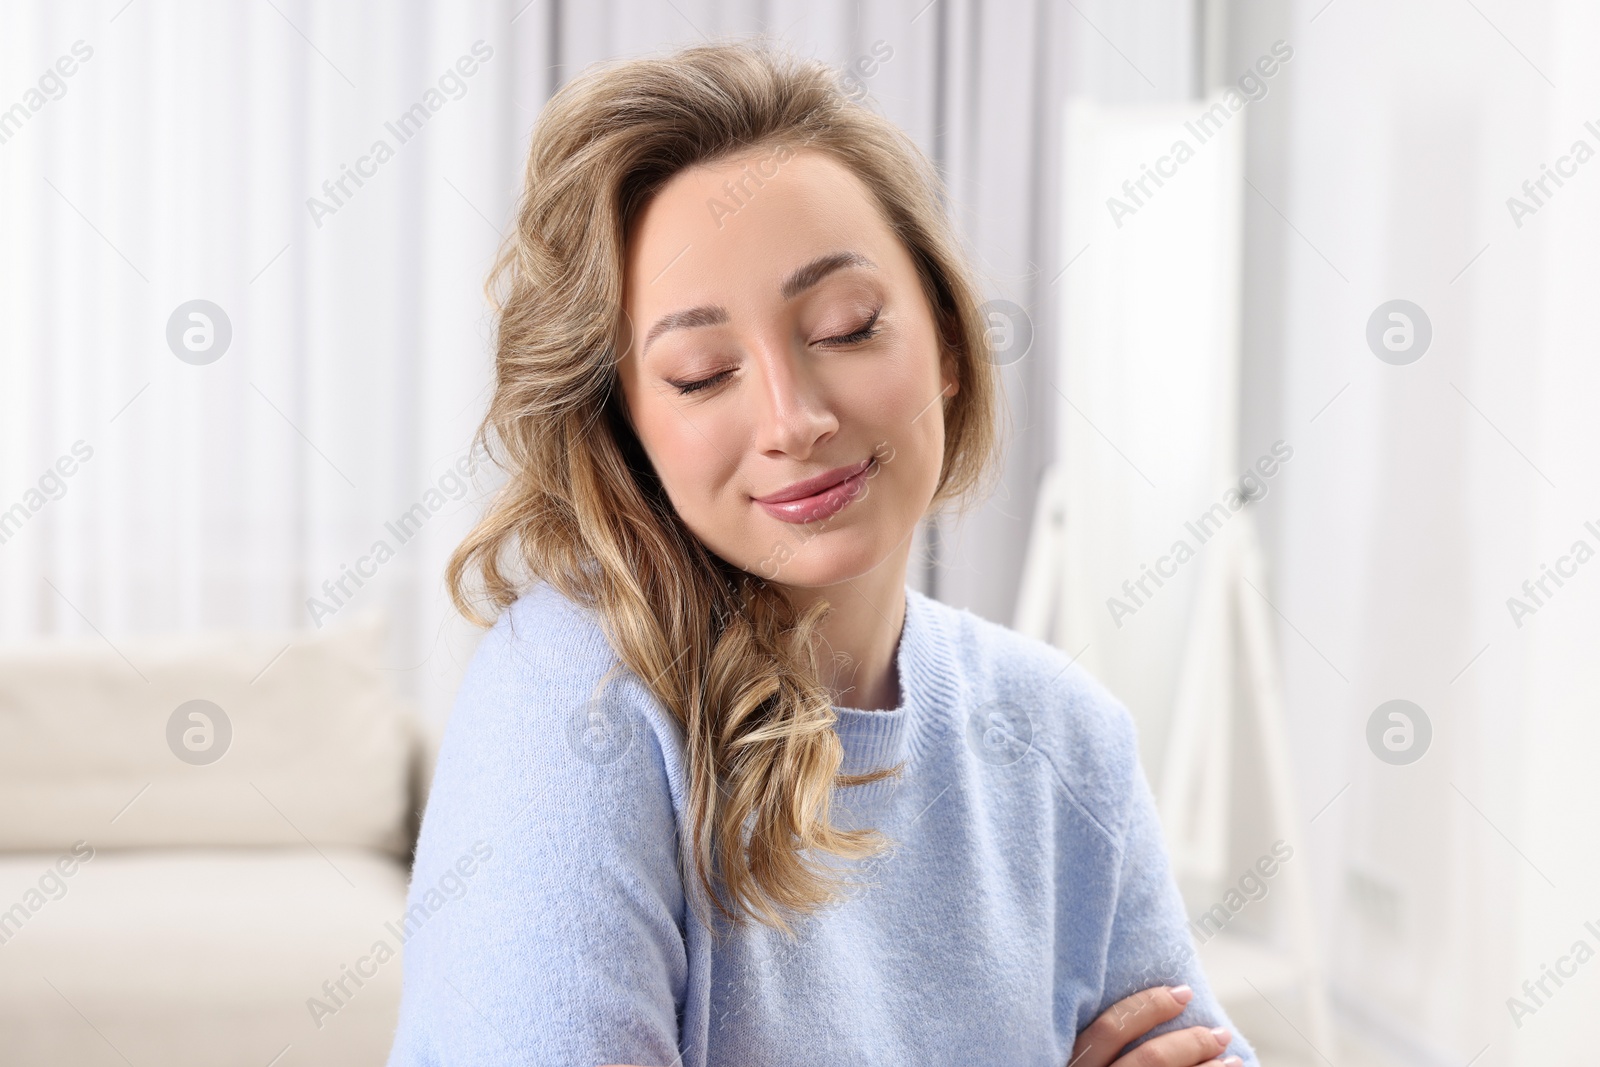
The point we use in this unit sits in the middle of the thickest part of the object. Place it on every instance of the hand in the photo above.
(1135, 1016)
(1132, 1018)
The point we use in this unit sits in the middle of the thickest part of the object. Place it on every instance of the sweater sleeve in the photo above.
(1150, 942)
(564, 945)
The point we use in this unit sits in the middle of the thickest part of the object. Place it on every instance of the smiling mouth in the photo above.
(822, 503)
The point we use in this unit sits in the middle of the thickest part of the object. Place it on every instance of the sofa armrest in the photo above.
(426, 738)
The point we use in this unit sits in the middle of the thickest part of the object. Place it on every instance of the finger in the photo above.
(1127, 1020)
(1181, 1048)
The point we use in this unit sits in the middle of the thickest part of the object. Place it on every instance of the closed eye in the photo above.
(866, 331)
(685, 388)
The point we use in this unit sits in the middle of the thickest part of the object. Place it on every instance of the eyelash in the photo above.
(685, 388)
(865, 332)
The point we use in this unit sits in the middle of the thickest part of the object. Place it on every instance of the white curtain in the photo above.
(1422, 496)
(158, 153)
(175, 163)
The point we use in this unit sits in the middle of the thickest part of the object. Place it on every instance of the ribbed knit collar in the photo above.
(923, 660)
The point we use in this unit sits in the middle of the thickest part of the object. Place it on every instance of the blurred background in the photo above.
(1294, 305)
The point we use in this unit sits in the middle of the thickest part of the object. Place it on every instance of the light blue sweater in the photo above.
(1029, 889)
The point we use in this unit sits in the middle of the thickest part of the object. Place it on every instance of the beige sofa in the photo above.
(216, 883)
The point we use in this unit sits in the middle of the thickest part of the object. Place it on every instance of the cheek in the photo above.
(689, 451)
(910, 456)
(906, 404)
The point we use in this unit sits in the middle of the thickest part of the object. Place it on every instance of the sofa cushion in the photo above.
(200, 957)
(215, 739)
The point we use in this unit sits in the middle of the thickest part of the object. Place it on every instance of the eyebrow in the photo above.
(798, 281)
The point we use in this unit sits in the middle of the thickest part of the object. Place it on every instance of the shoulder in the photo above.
(545, 653)
(541, 627)
(530, 665)
(1085, 733)
(546, 700)
(549, 851)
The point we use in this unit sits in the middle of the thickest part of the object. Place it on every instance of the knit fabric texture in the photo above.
(550, 914)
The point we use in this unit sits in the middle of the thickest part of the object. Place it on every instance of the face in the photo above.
(784, 373)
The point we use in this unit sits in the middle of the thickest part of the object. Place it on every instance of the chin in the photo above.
(831, 557)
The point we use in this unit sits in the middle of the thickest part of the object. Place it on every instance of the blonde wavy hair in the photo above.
(582, 509)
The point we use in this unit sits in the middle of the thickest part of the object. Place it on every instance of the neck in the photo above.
(858, 641)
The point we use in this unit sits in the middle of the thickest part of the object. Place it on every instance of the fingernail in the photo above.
(1233, 1061)
(1222, 1035)
(1182, 994)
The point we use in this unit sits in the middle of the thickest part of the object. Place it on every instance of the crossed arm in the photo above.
(1101, 1043)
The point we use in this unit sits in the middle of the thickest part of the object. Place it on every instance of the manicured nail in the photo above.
(1182, 994)
(1222, 1034)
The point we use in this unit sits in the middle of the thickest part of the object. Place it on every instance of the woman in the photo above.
(719, 787)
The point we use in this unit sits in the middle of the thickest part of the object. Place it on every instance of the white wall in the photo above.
(1421, 497)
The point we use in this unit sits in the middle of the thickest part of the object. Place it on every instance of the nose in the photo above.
(797, 412)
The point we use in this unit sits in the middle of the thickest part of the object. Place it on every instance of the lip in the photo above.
(819, 497)
(813, 486)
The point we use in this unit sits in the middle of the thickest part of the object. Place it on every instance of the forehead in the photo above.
(740, 225)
